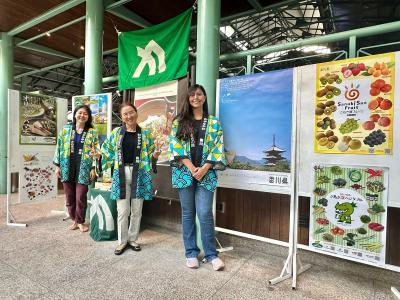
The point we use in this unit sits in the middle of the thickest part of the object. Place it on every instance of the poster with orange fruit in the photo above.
(354, 105)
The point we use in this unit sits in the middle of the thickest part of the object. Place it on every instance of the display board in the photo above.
(255, 113)
(157, 106)
(101, 107)
(37, 179)
(354, 102)
(348, 211)
(37, 119)
(33, 161)
(307, 78)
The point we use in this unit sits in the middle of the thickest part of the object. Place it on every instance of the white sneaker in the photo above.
(192, 262)
(217, 264)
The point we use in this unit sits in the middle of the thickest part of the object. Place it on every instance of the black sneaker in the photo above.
(134, 246)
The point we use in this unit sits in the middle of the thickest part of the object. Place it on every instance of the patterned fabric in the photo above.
(112, 158)
(213, 152)
(63, 151)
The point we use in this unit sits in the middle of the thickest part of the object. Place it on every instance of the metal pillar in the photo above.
(207, 55)
(352, 46)
(248, 66)
(94, 46)
(6, 82)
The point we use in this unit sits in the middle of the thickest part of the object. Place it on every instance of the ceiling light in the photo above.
(227, 30)
(82, 48)
(48, 34)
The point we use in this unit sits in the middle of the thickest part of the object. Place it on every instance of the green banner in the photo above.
(154, 55)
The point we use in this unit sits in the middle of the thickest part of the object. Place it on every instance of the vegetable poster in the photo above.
(38, 124)
(354, 105)
(36, 176)
(348, 212)
(101, 107)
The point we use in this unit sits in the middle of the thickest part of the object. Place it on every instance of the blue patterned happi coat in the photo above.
(111, 152)
(63, 153)
(213, 152)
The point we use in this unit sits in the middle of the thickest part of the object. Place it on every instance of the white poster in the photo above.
(348, 211)
(36, 178)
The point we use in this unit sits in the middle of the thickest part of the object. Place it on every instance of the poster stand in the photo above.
(293, 265)
(396, 292)
(10, 220)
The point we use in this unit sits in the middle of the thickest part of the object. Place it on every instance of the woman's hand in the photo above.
(92, 174)
(199, 174)
(157, 150)
(58, 172)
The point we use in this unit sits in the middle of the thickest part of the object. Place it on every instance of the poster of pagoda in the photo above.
(255, 112)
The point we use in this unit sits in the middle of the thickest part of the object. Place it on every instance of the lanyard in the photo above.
(200, 140)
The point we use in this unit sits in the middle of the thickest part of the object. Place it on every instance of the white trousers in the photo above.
(126, 207)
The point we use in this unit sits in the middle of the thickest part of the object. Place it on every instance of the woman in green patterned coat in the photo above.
(197, 151)
(76, 144)
(131, 155)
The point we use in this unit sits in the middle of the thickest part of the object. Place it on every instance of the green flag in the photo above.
(154, 55)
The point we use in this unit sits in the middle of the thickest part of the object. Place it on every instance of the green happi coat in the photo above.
(111, 153)
(62, 156)
(213, 152)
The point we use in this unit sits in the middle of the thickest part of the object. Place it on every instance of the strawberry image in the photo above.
(344, 69)
(356, 71)
(361, 66)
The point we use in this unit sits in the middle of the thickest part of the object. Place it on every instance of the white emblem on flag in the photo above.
(98, 207)
(148, 59)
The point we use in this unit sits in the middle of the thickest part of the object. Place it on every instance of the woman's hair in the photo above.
(185, 115)
(89, 121)
(125, 104)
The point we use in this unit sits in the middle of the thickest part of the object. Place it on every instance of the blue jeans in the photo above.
(196, 199)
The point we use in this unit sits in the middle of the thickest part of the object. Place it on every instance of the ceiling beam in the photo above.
(52, 30)
(124, 13)
(45, 16)
(43, 49)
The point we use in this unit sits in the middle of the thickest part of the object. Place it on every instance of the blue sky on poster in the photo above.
(252, 108)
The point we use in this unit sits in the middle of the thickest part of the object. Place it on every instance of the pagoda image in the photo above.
(273, 154)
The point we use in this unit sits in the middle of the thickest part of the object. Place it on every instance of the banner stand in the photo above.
(293, 265)
(10, 220)
(396, 292)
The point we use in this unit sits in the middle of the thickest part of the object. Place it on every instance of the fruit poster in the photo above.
(256, 115)
(37, 119)
(354, 105)
(36, 176)
(348, 211)
(157, 106)
(101, 107)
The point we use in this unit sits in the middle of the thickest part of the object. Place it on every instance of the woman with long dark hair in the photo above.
(75, 166)
(131, 154)
(197, 151)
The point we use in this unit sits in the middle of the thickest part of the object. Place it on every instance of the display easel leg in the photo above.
(10, 218)
(396, 292)
(298, 268)
(222, 249)
(286, 271)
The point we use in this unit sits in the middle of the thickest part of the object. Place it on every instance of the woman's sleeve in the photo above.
(177, 149)
(56, 158)
(108, 152)
(150, 147)
(216, 155)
